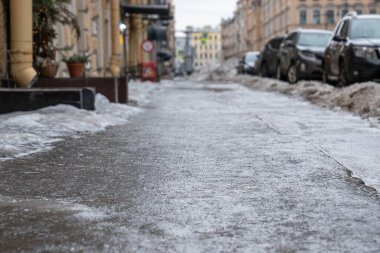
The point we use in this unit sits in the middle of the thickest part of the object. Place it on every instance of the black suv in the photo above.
(353, 54)
(301, 54)
(267, 64)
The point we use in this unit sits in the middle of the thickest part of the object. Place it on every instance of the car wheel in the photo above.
(293, 74)
(279, 74)
(343, 79)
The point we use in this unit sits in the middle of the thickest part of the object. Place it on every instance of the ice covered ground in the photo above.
(25, 133)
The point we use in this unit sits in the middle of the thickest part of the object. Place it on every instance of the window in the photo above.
(344, 30)
(292, 38)
(302, 17)
(365, 28)
(372, 11)
(316, 17)
(330, 17)
(275, 44)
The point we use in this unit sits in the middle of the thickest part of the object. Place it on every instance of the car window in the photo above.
(338, 27)
(251, 57)
(365, 28)
(314, 39)
(292, 37)
(275, 44)
(343, 33)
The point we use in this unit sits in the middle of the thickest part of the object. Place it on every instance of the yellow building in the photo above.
(207, 45)
(100, 37)
(282, 16)
(265, 19)
(3, 45)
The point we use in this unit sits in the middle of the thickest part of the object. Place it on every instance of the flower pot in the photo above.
(49, 71)
(75, 69)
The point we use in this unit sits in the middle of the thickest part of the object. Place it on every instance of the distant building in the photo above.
(257, 21)
(207, 45)
(180, 45)
(281, 17)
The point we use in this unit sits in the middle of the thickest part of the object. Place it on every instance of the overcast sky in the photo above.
(199, 13)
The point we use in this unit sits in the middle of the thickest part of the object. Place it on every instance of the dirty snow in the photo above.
(217, 72)
(361, 99)
(25, 133)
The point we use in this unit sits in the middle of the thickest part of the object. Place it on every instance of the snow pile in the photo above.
(362, 99)
(139, 92)
(24, 133)
(218, 72)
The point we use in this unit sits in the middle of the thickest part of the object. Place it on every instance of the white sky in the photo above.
(199, 13)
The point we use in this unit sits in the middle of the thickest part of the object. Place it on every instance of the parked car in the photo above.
(353, 55)
(301, 53)
(247, 64)
(266, 65)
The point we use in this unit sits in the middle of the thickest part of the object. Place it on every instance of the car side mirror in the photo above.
(288, 43)
(338, 38)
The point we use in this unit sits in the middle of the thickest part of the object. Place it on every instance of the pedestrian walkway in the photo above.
(203, 169)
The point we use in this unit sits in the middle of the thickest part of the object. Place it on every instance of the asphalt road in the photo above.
(201, 169)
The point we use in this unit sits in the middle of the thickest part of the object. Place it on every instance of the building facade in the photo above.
(240, 33)
(265, 19)
(95, 22)
(3, 43)
(207, 45)
(109, 34)
(282, 16)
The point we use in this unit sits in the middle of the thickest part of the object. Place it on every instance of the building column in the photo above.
(22, 43)
(3, 43)
(116, 47)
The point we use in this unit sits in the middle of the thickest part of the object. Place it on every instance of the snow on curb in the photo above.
(25, 133)
(362, 98)
(139, 92)
(217, 72)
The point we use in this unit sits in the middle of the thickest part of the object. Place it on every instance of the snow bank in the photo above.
(218, 72)
(362, 99)
(139, 92)
(22, 134)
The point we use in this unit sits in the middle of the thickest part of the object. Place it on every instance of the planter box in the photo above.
(115, 89)
(12, 100)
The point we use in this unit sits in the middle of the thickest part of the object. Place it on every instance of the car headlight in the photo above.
(365, 52)
(308, 54)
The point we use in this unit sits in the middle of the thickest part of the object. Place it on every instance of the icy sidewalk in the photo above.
(25, 133)
(348, 140)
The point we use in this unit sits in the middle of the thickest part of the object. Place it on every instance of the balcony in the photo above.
(154, 7)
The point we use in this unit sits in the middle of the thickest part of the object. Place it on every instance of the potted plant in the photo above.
(75, 64)
(46, 14)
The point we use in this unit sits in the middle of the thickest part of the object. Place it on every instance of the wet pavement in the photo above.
(204, 168)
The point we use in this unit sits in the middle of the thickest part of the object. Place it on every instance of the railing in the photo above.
(157, 2)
